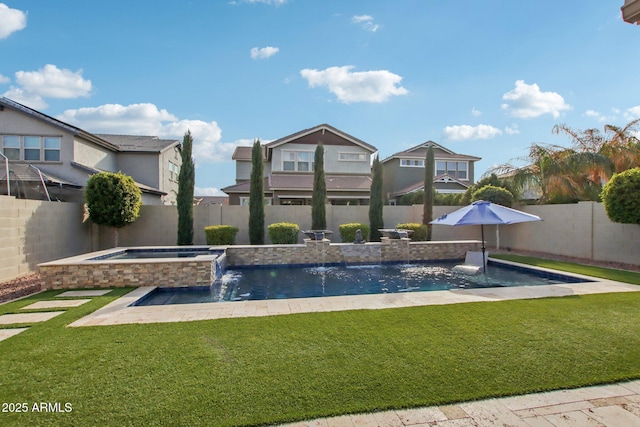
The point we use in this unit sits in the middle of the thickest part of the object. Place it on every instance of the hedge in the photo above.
(283, 233)
(348, 231)
(221, 234)
(420, 232)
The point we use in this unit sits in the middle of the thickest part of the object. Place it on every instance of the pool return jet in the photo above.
(484, 213)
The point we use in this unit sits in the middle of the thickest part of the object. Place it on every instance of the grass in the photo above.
(589, 270)
(258, 371)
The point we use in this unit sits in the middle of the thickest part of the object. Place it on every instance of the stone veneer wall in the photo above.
(76, 272)
(322, 251)
(165, 273)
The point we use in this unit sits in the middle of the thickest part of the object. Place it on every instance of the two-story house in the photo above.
(43, 157)
(289, 165)
(403, 172)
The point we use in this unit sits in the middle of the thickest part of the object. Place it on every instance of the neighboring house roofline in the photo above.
(139, 143)
(323, 127)
(411, 154)
(58, 123)
(445, 178)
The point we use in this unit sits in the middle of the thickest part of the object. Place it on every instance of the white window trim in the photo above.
(296, 161)
(341, 153)
(411, 166)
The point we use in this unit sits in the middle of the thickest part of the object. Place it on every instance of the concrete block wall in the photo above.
(33, 231)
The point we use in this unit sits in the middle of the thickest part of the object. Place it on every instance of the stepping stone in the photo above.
(8, 319)
(56, 304)
(8, 333)
(95, 293)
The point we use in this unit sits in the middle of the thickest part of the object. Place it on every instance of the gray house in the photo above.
(403, 172)
(42, 157)
(289, 165)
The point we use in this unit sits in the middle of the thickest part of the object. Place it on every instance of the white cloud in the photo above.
(512, 130)
(4, 79)
(466, 132)
(475, 113)
(527, 101)
(632, 113)
(263, 52)
(11, 20)
(596, 115)
(147, 119)
(207, 191)
(52, 82)
(348, 86)
(30, 100)
(366, 22)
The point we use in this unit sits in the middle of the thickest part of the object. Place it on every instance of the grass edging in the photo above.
(588, 270)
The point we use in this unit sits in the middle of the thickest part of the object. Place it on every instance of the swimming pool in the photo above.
(152, 253)
(303, 282)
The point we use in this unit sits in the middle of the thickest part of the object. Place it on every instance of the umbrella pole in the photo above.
(484, 264)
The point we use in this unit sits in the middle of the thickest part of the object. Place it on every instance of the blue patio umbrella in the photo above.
(485, 213)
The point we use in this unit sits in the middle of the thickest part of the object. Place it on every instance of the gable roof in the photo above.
(323, 128)
(243, 152)
(418, 152)
(8, 103)
(287, 181)
(139, 143)
(419, 185)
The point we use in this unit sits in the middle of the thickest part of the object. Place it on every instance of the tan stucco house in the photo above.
(631, 11)
(41, 152)
(403, 172)
(289, 165)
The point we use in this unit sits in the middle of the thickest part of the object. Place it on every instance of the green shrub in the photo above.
(283, 233)
(420, 232)
(221, 234)
(493, 194)
(348, 231)
(621, 197)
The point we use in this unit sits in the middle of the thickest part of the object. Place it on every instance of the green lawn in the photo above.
(256, 371)
(589, 270)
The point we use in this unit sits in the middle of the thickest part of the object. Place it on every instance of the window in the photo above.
(31, 148)
(174, 171)
(300, 161)
(11, 147)
(352, 157)
(411, 163)
(455, 169)
(52, 149)
(244, 201)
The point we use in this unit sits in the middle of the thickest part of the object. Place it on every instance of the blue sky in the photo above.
(486, 78)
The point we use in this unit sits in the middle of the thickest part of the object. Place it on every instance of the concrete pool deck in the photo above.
(120, 312)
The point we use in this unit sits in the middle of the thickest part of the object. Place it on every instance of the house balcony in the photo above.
(631, 11)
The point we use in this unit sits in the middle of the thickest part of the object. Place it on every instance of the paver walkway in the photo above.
(616, 405)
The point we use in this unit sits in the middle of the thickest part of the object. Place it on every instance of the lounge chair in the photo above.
(472, 263)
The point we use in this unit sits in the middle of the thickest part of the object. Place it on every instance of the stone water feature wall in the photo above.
(315, 252)
(81, 272)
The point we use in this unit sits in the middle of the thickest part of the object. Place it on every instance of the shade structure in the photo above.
(483, 213)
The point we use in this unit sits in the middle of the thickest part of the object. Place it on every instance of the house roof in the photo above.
(8, 103)
(92, 171)
(418, 152)
(305, 182)
(244, 153)
(139, 143)
(419, 185)
(27, 172)
(323, 128)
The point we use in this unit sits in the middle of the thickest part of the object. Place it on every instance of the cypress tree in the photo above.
(427, 210)
(376, 220)
(256, 197)
(184, 200)
(319, 195)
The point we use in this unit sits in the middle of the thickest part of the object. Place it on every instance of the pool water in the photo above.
(158, 253)
(303, 282)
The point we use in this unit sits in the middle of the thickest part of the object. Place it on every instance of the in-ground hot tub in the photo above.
(167, 266)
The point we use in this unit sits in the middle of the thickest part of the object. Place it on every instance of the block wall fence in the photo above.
(32, 232)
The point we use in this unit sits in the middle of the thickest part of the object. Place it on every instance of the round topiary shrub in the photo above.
(348, 231)
(493, 194)
(420, 232)
(621, 197)
(221, 234)
(283, 233)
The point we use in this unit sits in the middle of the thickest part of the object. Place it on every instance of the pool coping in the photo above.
(121, 312)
